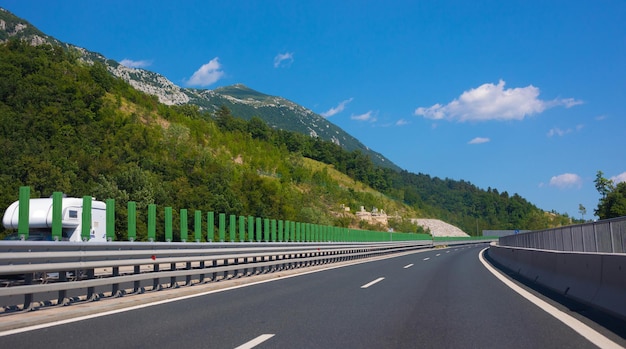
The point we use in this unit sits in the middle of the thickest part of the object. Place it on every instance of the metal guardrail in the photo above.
(37, 274)
(606, 236)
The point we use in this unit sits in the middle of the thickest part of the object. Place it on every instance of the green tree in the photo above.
(614, 203)
(582, 210)
(603, 186)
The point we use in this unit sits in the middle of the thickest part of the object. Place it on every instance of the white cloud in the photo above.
(207, 74)
(566, 180)
(364, 117)
(479, 140)
(559, 132)
(494, 102)
(338, 109)
(619, 178)
(402, 122)
(135, 64)
(283, 59)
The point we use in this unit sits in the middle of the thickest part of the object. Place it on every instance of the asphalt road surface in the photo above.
(443, 298)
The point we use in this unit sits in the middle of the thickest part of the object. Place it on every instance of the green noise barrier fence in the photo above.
(161, 222)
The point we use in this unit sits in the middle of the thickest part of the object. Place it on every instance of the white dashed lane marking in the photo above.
(253, 343)
(373, 282)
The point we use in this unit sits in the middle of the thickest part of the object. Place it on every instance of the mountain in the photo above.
(67, 124)
(243, 101)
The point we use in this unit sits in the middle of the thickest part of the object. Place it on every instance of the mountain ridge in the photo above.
(277, 112)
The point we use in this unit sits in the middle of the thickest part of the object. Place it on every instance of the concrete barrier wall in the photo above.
(598, 280)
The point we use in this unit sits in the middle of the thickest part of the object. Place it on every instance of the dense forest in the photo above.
(69, 126)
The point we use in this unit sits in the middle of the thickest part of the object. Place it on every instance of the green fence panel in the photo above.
(232, 227)
(281, 233)
(242, 229)
(151, 222)
(23, 215)
(266, 230)
(222, 227)
(274, 234)
(169, 223)
(298, 232)
(287, 232)
(259, 230)
(57, 216)
(197, 226)
(293, 232)
(132, 221)
(110, 214)
(85, 232)
(210, 226)
(250, 228)
(184, 227)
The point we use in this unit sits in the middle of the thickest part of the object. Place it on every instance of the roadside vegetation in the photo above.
(72, 127)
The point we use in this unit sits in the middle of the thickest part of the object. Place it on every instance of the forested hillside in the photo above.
(70, 126)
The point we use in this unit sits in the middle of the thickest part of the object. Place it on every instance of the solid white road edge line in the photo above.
(373, 282)
(590, 334)
(408, 266)
(253, 343)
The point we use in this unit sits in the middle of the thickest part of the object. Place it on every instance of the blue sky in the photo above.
(522, 96)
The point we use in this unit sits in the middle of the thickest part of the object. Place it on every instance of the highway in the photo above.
(442, 298)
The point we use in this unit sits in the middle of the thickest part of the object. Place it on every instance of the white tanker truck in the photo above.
(40, 219)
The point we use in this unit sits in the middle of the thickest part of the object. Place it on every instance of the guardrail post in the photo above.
(151, 222)
(86, 219)
(24, 208)
(184, 234)
(222, 227)
(197, 226)
(169, 236)
(110, 213)
(210, 226)
(132, 221)
(57, 216)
